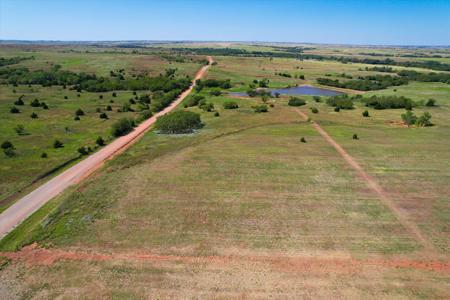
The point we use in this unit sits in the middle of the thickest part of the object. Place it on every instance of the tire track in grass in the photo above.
(33, 255)
(374, 186)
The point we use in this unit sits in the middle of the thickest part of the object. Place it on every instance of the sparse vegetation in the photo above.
(230, 105)
(260, 108)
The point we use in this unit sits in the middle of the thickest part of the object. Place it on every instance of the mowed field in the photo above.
(243, 209)
(58, 121)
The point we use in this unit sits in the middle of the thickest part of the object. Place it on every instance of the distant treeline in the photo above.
(367, 83)
(425, 77)
(400, 55)
(13, 60)
(431, 64)
(376, 102)
(378, 82)
(91, 82)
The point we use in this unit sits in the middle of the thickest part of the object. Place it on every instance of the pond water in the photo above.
(298, 90)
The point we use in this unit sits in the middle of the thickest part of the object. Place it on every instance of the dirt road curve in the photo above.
(375, 187)
(26, 206)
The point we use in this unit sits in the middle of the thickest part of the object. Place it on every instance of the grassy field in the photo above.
(243, 209)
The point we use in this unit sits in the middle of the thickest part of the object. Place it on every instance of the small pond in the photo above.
(298, 90)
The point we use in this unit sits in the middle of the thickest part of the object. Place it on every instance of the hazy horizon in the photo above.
(383, 23)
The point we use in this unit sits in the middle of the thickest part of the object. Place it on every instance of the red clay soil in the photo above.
(374, 186)
(30, 203)
(34, 255)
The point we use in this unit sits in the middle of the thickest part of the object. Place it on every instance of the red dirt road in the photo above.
(34, 255)
(374, 186)
(27, 205)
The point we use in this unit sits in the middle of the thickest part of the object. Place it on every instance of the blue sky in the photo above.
(391, 22)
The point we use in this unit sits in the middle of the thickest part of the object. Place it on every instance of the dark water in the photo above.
(298, 90)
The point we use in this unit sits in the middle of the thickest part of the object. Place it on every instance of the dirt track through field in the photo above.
(33, 255)
(374, 186)
(27, 205)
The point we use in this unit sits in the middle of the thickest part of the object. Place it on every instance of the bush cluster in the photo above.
(295, 101)
(179, 122)
(342, 101)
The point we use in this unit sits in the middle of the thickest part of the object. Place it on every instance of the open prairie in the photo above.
(254, 204)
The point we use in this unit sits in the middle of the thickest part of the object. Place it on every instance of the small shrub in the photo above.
(207, 106)
(34, 115)
(109, 108)
(355, 136)
(146, 114)
(14, 110)
(114, 94)
(261, 108)
(100, 141)
(424, 120)
(316, 99)
(215, 93)
(19, 102)
(44, 155)
(7, 144)
(303, 140)
(230, 105)
(65, 97)
(10, 152)
(103, 116)
(79, 112)
(337, 109)
(252, 93)
(122, 127)
(216, 114)
(58, 144)
(35, 103)
(83, 150)
(431, 102)
(365, 113)
(44, 105)
(179, 122)
(20, 130)
(76, 118)
(314, 110)
(409, 118)
(100, 96)
(295, 101)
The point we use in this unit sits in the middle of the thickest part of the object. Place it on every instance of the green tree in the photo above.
(409, 118)
(122, 126)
